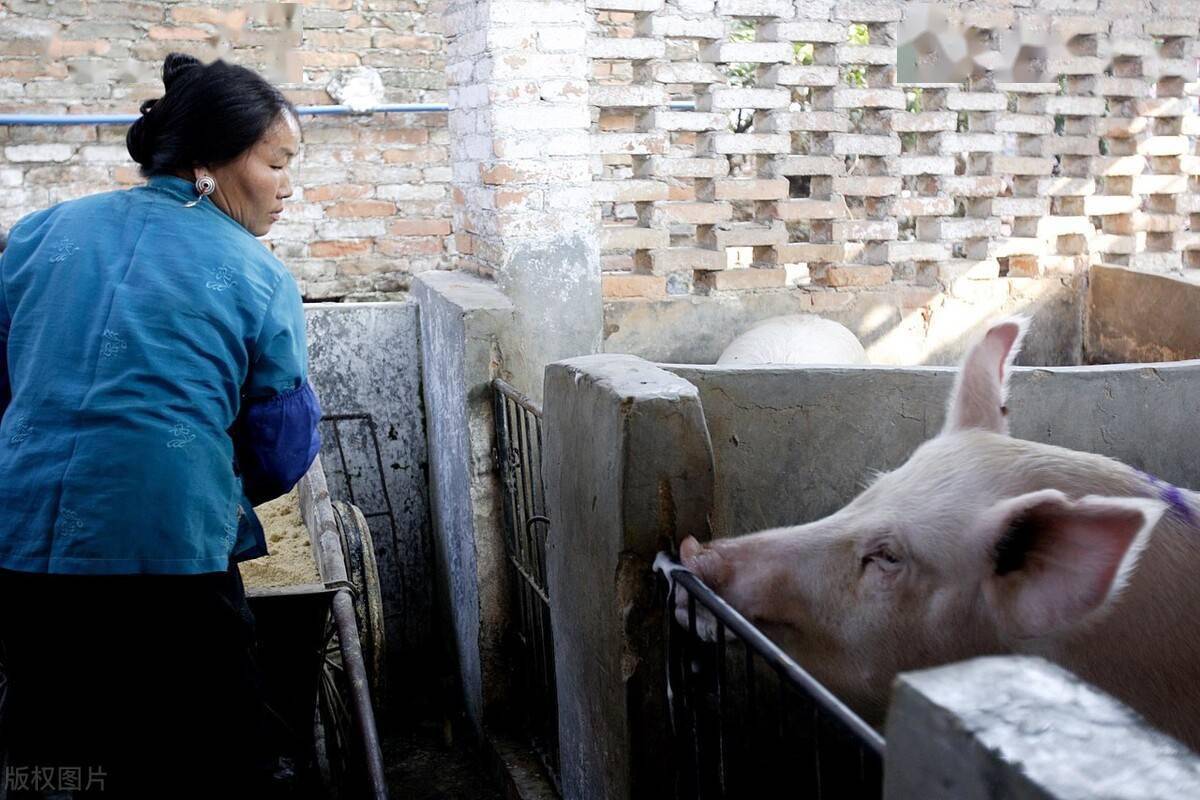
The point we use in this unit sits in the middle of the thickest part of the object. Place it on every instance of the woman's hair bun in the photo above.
(175, 65)
(139, 140)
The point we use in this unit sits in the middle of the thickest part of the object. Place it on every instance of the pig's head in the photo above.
(977, 542)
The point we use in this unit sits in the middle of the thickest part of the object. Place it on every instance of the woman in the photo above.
(153, 387)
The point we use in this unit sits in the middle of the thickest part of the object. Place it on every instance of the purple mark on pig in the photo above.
(1172, 496)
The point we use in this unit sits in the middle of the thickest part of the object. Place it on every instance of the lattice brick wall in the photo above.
(754, 144)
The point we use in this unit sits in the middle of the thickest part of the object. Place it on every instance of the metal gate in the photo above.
(519, 451)
(747, 719)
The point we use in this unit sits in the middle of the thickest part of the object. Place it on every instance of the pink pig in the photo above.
(981, 544)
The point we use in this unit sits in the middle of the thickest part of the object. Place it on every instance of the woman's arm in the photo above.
(276, 434)
(5, 324)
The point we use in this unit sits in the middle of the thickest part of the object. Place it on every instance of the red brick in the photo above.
(307, 97)
(339, 248)
(24, 70)
(420, 227)
(498, 175)
(234, 18)
(362, 208)
(739, 279)
(338, 40)
(617, 121)
(1024, 266)
(336, 5)
(127, 176)
(627, 287)
(60, 48)
(402, 41)
(854, 275)
(329, 59)
(411, 246)
(172, 34)
(395, 135)
(505, 198)
(417, 155)
(335, 191)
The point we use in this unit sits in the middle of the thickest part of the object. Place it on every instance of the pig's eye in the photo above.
(883, 558)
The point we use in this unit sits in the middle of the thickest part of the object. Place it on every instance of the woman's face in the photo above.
(253, 186)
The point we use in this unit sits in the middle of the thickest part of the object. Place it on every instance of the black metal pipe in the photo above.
(770, 652)
(360, 706)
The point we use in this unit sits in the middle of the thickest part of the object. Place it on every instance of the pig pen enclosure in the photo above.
(639, 455)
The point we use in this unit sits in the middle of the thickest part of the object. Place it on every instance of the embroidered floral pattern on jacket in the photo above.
(222, 279)
(69, 523)
(21, 431)
(182, 436)
(63, 250)
(113, 344)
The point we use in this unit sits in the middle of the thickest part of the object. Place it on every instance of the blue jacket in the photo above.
(153, 385)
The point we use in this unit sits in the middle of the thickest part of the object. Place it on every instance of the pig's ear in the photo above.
(979, 393)
(1053, 562)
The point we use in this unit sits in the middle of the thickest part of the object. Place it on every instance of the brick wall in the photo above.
(372, 205)
(838, 179)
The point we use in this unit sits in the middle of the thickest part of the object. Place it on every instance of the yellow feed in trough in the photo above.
(290, 561)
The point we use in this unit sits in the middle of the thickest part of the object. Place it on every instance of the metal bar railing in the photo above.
(745, 716)
(306, 111)
(526, 525)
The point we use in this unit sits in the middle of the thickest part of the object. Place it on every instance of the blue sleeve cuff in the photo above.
(275, 441)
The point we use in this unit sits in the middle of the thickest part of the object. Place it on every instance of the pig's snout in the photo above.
(705, 561)
(709, 566)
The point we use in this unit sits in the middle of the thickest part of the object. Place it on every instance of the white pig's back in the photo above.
(795, 339)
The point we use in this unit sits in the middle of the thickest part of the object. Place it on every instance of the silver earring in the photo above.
(204, 187)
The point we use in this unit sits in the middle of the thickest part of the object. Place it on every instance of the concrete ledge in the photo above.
(826, 429)
(628, 470)
(1022, 728)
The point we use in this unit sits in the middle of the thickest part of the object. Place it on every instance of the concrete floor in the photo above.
(420, 767)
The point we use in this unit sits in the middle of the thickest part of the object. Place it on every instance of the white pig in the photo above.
(981, 543)
(795, 339)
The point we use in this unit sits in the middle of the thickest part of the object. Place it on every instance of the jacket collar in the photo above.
(176, 187)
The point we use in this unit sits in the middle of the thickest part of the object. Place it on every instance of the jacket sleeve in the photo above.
(5, 325)
(276, 434)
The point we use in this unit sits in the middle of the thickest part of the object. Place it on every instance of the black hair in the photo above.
(209, 114)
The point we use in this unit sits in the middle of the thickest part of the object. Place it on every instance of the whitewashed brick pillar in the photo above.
(1164, 184)
(524, 210)
(1077, 145)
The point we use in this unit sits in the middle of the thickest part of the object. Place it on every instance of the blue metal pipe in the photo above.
(126, 119)
(308, 111)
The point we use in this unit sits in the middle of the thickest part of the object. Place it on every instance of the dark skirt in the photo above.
(130, 686)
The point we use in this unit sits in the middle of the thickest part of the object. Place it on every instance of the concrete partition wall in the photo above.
(628, 471)
(1020, 727)
(1137, 316)
(463, 322)
(795, 444)
(365, 363)
(898, 325)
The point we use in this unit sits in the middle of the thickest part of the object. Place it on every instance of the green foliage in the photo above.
(859, 35)
(743, 31)
(914, 101)
(803, 53)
